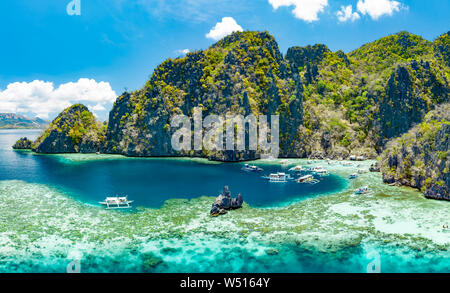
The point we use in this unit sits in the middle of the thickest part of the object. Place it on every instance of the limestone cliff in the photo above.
(421, 157)
(74, 130)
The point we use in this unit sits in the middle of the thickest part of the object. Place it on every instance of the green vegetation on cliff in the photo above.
(358, 101)
(23, 144)
(74, 130)
(421, 157)
(243, 73)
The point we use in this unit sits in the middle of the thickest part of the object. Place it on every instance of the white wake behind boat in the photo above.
(117, 202)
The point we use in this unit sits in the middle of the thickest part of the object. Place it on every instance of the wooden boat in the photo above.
(307, 179)
(251, 168)
(296, 169)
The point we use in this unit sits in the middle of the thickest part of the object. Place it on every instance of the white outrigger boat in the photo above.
(363, 190)
(278, 177)
(117, 202)
(307, 179)
(320, 171)
(251, 168)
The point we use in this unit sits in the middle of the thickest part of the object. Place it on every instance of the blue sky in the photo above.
(120, 42)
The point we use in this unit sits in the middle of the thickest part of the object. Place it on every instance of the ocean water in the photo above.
(49, 218)
(150, 182)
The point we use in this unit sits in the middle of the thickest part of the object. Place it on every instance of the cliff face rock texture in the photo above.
(421, 157)
(243, 73)
(74, 130)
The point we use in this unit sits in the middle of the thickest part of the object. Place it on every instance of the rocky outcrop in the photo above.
(307, 58)
(442, 45)
(23, 144)
(421, 157)
(225, 202)
(404, 105)
(74, 130)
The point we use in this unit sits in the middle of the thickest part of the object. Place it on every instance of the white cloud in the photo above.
(183, 51)
(378, 8)
(224, 28)
(42, 99)
(98, 107)
(346, 13)
(306, 10)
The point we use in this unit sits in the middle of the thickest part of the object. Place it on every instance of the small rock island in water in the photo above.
(23, 144)
(225, 202)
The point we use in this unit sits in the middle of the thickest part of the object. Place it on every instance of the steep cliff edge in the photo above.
(243, 73)
(356, 102)
(421, 157)
(74, 130)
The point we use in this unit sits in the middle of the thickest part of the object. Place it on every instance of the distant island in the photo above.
(331, 104)
(14, 121)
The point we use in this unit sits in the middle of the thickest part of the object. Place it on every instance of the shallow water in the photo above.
(44, 227)
(150, 182)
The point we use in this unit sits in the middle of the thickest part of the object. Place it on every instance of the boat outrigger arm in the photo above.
(117, 203)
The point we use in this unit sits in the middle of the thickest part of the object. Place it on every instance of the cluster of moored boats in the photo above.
(294, 175)
(309, 175)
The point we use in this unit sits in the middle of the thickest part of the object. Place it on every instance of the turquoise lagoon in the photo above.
(49, 217)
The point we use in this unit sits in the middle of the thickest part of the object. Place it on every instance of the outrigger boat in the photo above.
(278, 177)
(307, 179)
(363, 190)
(117, 202)
(353, 176)
(320, 171)
(251, 168)
(296, 169)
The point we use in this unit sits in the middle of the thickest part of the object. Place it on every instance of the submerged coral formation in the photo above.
(43, 229)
